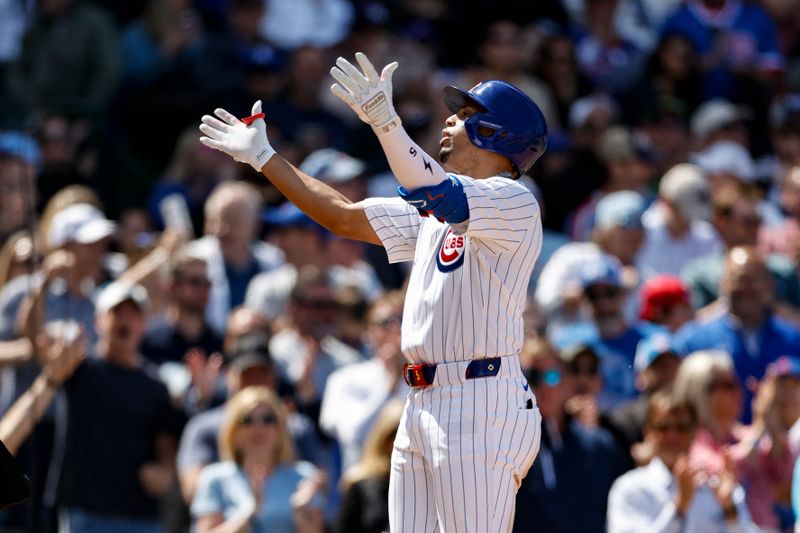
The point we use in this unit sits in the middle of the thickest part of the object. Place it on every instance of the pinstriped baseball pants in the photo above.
(461, 451)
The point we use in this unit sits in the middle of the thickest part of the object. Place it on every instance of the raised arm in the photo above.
(369, 95)
(248, 143)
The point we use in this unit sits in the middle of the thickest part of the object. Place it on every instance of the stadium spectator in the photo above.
(365, 504)
(231, 249)
(308, 351)
(574, 463)
(79, 238)
(669, 80)
(665, 301)
(677, 225)
(720, 120)
(745, 324)
(656, 362)
(184, 326)
(736, 43)
(258, 484)
(355, 393)
(616, 338)
(250, 366)
(737, 221)
(666, 494)
(609, 61)
(628, 163)
(131, 433)
(20, 158)
(763, 456)
(618, 233)
(69, 62)
(17, 257)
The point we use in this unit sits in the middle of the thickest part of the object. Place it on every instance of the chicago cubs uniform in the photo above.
(463, 444)
(470, 429)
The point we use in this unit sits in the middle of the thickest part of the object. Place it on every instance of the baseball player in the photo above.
(470, 430)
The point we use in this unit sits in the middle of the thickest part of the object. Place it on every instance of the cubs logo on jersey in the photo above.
(451, 252)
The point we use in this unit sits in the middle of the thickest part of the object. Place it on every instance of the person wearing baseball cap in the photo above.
(20, 159)
(665, 301)
(656, 362)
(628, 161)
(677, 225)
(132, 427)
(64, 288)
(720, 120)
(339, 170)
(615, 336)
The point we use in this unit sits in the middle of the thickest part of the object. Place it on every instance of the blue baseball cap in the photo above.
(21, 146)
(603, 270)
(623, 208)
(651, 348)
(786, 365)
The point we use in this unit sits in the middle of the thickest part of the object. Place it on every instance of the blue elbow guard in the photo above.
(445, 201)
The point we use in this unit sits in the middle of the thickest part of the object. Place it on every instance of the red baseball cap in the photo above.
(661, 292)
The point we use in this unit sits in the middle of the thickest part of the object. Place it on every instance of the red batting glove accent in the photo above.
(252, 118)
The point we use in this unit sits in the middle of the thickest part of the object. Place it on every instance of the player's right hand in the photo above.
(245, 143)
(367, 93)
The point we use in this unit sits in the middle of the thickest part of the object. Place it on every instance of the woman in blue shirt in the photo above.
(258, 486)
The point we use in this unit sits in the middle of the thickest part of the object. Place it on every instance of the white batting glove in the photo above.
(368, 94)
(246, 143)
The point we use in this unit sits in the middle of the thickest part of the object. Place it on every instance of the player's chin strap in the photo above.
(445, 201)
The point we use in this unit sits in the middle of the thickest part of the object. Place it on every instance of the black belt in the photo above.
(421, 376)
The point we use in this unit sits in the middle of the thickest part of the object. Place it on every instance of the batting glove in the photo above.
(368, 94)
(245, 142)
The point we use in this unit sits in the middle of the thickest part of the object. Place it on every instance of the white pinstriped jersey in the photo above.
(466, 292)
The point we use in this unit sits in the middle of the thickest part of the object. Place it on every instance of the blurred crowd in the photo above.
(181, 349)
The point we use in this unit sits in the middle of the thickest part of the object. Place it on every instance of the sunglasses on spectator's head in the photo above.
(551, 377)
(266, 420)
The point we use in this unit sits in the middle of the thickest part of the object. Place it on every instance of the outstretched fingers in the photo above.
(366, 66)
(353, 73)
(342, 93)
(212, 132)
(388, 70)
(226, 117)
(211, 143)
(345, 81)
(215, 123)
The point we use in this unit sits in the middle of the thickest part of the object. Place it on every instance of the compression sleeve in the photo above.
(412, 167)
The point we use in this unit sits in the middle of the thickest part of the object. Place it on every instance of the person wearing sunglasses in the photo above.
(609, 330)
(258, 486)
(184, 326)
(670, 493)
(758, 453)
(575, 463)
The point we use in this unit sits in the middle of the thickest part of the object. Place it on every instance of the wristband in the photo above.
(252, 118)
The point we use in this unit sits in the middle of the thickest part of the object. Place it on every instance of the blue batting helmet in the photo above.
(519, 130)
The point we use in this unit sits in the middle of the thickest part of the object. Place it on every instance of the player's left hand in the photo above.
(367, 93)
(247, 143)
